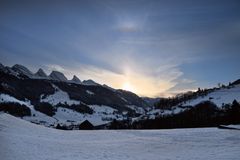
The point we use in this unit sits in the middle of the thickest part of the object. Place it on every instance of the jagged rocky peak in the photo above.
(75, 79)
(2, 66)
(8, 70)
(23, 70)
(89, 83)
(41, 73)
(56, 75)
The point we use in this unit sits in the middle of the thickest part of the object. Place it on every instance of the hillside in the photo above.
(54, 99)
(204, 108)
(219, 96)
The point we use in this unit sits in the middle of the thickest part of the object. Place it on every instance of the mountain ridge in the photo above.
(51, 101)
(22, 71)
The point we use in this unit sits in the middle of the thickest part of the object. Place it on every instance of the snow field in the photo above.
(23, 140)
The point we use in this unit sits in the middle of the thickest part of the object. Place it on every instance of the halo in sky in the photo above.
(128, 26)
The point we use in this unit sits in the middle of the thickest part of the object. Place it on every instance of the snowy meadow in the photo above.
(23, 140)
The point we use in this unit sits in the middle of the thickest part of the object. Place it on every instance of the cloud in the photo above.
(143, 81)
(182, 85)
(142, 43)
(55, 67)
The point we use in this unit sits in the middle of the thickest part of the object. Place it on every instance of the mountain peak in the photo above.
(1, 66)
(23, 70)
(89, 82)
(75, 79)
(56, 75)
(41, 73)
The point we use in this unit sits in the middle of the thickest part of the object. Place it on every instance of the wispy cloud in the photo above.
(143, 81)
(157, 47)
(55, 67)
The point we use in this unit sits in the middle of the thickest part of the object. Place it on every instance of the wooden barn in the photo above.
(86, 125)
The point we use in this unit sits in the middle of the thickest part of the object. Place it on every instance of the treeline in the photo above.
(81, 107)
(45, 108)
(205, 114)
(168, 103)
(15, 109)
(50, 110)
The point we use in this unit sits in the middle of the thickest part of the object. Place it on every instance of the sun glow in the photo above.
(127, 86)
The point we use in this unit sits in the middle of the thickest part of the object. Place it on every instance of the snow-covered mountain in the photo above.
(75, 79)
(54, 99)
(58, 76)
(41, 74)
(90, 83)
(218, 96)
(1, 66)
(22, 70)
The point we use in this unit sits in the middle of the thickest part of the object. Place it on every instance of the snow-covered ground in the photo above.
(58, 97)
(233, 126)
(219, 97)
(23, 140)
(101, 115)
(136, 109)
(38, 116)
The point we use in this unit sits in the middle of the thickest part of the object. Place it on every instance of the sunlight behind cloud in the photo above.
(127, 86)
(141, 83)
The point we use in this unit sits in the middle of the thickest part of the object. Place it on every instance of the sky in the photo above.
(150, 47)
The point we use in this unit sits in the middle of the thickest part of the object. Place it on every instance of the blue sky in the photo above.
(153, 48)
